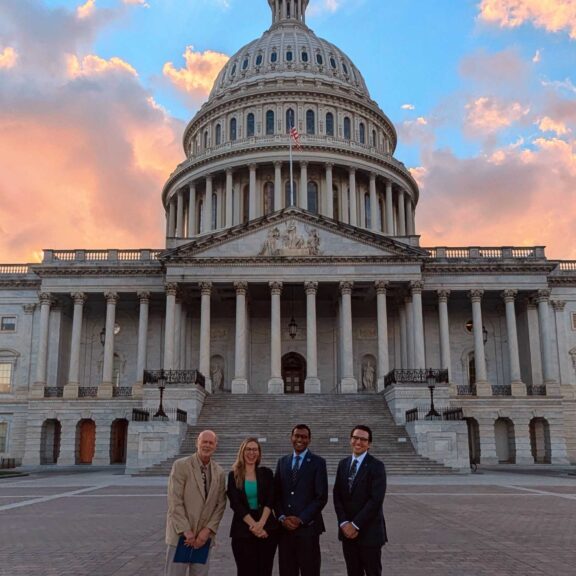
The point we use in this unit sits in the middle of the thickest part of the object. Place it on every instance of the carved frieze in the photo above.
(288, 239)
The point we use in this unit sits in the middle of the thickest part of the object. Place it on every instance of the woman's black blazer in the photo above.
(239, 503)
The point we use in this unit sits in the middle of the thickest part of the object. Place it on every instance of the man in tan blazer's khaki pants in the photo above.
(196, 503)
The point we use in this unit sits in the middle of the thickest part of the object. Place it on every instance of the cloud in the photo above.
(318, 7)
(547, 124)
(502, 70)
(84, 149)
(565, 85)
(136, 3)
(197, 77)
(408, 107)
(8, 58)
(485, 115)
(551, 15)
(537, 57)
(87, 9)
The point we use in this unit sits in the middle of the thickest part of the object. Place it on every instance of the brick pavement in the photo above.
(104, 525)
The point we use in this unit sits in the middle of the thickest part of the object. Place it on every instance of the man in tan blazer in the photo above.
(196, 503)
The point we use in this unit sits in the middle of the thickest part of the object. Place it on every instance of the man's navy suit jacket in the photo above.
(363, 504)
(306, 497)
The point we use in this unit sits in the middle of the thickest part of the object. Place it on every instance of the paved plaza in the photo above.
(102, 524)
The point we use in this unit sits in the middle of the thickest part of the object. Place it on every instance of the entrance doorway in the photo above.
(85, 441)
(293, 373)
(50, 441)
(540, 441)
(505, 441)
(118, 441)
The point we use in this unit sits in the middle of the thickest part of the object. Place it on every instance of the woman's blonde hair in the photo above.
(239, 467)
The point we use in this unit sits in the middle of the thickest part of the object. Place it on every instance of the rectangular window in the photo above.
(573, 315)
(8, 324)
(5, 377)
(3, 436)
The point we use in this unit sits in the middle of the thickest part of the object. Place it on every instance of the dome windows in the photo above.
(259, 60)
(312, 197)
(233, 71)
(245, 64)
(289, 119)
(233, 129)
(345, 68)
(289, 56)
(310, 122)
(218, 134)
(250, 125)
(274, 57)
(333, 62)
(269, 123)
(304, 57)
(362, 133)
(347, 128)
(319, 59)
(329, 124)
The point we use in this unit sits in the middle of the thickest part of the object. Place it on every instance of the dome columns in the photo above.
(291, 10)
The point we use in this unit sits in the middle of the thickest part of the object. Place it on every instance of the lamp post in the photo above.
(161, 386)
(431, 381)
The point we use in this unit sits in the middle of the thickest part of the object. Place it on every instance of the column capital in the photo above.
(381, 286)
(329, 165)
(241, 287)
(205, 288)
(111, 297)
(476, 295)
(29, 308)
(229, 171)
(416, 286)
(208, 178)
(303, 163)
(311, 288)
(252, 167)
(351, 170)
(171, 288)
(509, 295)
(45, 298)
(79, 297)
(277, 164)
(373, 176)
(346, 287)
(192, 186)
(558, 305)
(276, 288)
(443, 295)
(543, 295)
(144, 297)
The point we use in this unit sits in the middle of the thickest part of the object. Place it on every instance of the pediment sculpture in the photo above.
(287, 240)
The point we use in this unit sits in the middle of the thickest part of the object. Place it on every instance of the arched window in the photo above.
(374, 138)
(319, 59)
(289, 119)
(329, 124)
(245, 64)
(218, 134)
(269, 122)
(233, 125)
(367, 211)
(347, 128)
(310, 122)
(333, 62)
(362, 133)
(268, 198)
(214, 211)
(205, 139)
(288, 200)
(345, 68)
(245, 204)
(250, 125)
(200, 217)
(233, 71)
(274, 57)
(304, 56)
(289, 56)
(312, 197)
(259, 60)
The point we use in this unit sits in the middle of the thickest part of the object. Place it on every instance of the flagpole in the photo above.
(291, 177)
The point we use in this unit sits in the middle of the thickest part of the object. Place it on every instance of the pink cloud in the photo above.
(8, 58)
(487, 115)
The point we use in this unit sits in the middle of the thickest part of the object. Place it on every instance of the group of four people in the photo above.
(281, 510)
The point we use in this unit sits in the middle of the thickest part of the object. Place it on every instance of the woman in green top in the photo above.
(253, 529)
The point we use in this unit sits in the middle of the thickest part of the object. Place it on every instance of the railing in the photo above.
(122, 392)
(143, 255)
(174, 377)
(466, 389)
(450, 413)
(536, 389)
(567, 266)
(502, 390)
(149, 415)
(88, 392)
(53, 392)
(13, 269)
(487, 253)
(416, 376)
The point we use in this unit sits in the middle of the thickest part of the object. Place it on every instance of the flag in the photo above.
(295, 137)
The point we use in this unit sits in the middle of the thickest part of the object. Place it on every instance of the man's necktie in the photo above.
(352, 474)
(205, 480)
(295, 468)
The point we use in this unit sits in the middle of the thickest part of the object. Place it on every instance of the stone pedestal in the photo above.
(37, 391)
(483, 388)
(349, 386)
(239, 386)
(138, 391)
(312, 386)
(105, 390)
(519, 389)
(71, 391)
(275, 386)
(552, 388)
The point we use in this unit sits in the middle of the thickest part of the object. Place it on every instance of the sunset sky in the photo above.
(94, 97)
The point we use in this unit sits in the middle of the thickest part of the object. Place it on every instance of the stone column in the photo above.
(304, 185)
(206, 291)
(312, 383)
(71, 388)
(401, 214)
(403, 335)
(552, 388)
(410, 358)
(170, 324)
(329, 191)
(382, 314)
(278, 196)
(177, 330)
(419, 349)
(42, 357)
(229, 197)
(275, 384)
(252, 213)
(373, 204)
(409, 216)
(483, 388)
(240, 382)
(171, 218)
(564, 367)
(444, 323)
(389, 210)
(141, 358)
(518, 387)
(353, 197)
(105, 389)
(207, 207)
(192, 210)
(345, 205)
(349, 384)
(180, 214)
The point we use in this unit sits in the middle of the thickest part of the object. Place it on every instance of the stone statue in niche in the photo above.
(368, 374)
(217, 377)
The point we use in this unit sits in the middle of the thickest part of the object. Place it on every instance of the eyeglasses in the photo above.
(251, 450)
(360, 439)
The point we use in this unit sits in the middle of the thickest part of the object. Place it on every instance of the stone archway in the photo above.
(293, 373)
(540, 441)
(50, 441)
(85, 441)
(118, 441)
(505, 441)
(473, 440)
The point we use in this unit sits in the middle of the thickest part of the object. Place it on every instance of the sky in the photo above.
(95, 95)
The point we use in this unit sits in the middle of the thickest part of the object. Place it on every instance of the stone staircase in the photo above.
(331, 417)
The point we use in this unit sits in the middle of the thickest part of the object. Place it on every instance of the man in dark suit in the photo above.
(301, 492)
(359, 492)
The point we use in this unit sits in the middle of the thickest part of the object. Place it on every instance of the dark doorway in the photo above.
(50, 442)
(85, 441)
(118, 441)
(293, 373)
(473, 440)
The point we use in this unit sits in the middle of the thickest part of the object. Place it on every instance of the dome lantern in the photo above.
(288, 11)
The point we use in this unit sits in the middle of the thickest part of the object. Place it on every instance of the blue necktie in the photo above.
(295, 468)
(352, 473)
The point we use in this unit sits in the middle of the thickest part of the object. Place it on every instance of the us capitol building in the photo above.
(272, 287)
